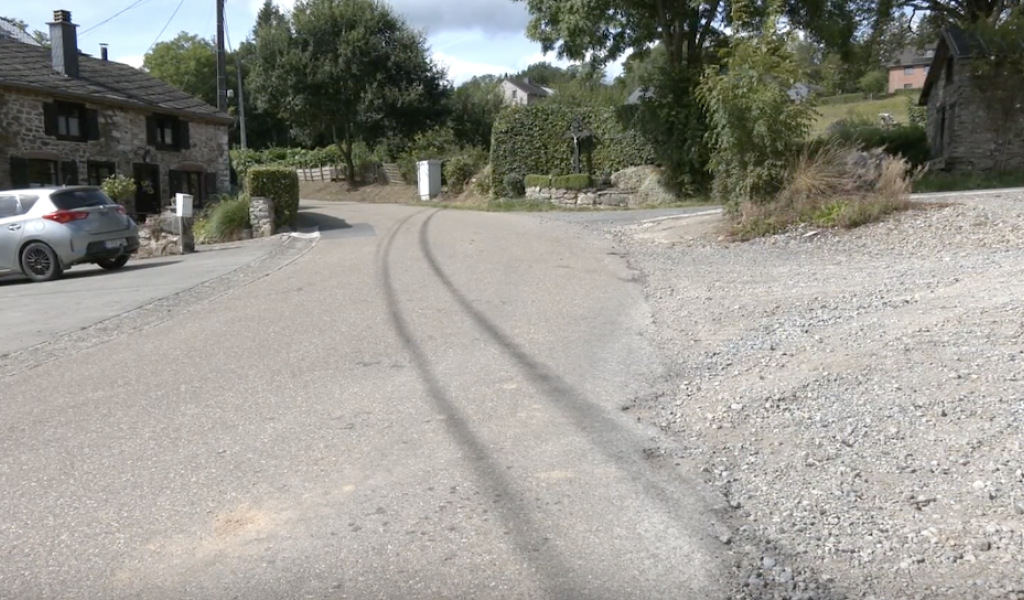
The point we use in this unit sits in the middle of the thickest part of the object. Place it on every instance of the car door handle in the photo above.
(14, 227)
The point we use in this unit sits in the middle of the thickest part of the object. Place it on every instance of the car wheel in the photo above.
(113, 264)
(39, 262)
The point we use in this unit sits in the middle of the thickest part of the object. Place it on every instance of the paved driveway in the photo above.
(32, 313)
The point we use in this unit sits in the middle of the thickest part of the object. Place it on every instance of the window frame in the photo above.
(94, 166)
(54, 170)
(64, 113)
(908, 70)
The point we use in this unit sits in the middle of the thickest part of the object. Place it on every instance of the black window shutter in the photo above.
(49, 118)
(209, 185)
(92, 124)
(69, 172)
(174, 180)
(19, 172)
(183, 140)
(151, 130)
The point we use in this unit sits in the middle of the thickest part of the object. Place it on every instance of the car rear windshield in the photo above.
(72, 199)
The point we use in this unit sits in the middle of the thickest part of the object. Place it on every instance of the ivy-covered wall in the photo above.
(533, 139)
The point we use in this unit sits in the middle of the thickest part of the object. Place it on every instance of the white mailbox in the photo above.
(183, 205)
(429, 178)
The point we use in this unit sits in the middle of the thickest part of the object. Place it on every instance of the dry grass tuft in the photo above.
(831, 186)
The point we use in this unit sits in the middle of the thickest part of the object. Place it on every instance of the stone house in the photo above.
(69, 118)
(523, 92)
(909, 70)
(971, 127)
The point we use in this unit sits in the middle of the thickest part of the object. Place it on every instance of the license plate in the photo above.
(115, 243)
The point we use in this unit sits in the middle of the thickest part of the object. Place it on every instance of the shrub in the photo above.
(575, 181)
(226, 220)
(482, 184)
(824, 188)
(514, 185)
(407, 168)
(537, 181)
(916, 115)
(120, 188)
(532, 139)
(753, 126)
(280, 184)
(458, 170)
(907, 141)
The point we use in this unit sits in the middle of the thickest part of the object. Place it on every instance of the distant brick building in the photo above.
(69, 118)
(910, 69)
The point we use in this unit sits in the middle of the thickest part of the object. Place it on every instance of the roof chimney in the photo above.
(526, 80)
(64, 44)
(103, 51)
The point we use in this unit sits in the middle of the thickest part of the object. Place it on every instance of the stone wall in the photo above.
(592, 198)
(122, 141)
(161, 235)
(261, 216)
(974, 139)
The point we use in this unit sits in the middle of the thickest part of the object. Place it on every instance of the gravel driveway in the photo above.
(857, 397)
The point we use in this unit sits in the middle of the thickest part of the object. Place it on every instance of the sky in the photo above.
(469, 37)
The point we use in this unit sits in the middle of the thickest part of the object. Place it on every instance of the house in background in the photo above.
(523, 92)
(968, 129)
(802, 91)
(909, 70)
(69, 118)
(12, 32)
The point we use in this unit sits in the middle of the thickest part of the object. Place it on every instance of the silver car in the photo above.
(45, 231)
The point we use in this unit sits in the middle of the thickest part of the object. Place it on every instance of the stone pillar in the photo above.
(261, 216)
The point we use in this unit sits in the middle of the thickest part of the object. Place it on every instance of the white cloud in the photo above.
(135, 61)
(460, 71)
(491, 16)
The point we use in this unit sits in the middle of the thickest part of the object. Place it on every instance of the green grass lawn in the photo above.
(865, 109)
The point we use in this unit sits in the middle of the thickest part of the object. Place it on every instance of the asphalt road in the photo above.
(426, 405)
(33, 313)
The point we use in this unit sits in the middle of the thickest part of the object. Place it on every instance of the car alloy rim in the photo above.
(38, 261)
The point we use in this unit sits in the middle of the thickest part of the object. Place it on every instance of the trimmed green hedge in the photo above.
(575, 181)
(533, 139)
(537, 181)
(280, 184)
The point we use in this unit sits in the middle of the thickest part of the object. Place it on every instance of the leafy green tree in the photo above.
(874, 82)
(351, 70)
(753, 127)
(474, 106)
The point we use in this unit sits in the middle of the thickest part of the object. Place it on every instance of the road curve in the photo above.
(426, 409)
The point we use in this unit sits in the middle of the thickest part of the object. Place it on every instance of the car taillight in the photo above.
(67, 216)
(121, 210)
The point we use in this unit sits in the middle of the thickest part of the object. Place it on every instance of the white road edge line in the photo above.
(682, 216)
(927, 195)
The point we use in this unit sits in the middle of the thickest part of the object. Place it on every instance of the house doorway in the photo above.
(147, 188)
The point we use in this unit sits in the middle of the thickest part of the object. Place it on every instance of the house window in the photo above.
(515, 94)
(165, 132)
(201, 186)
(926, 69)
(100, 171)
(908, 70)
(908, 86)
(41, 172)
(71, 122)
(930, 53)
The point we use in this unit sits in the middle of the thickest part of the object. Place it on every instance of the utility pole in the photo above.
(222, 75)
(241, 98)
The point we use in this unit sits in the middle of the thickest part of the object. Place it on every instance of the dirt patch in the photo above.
(856, 396)
(239, 521)
(334, 191)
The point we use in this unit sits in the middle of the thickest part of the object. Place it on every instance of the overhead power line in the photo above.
(166, 25)
(114, 16)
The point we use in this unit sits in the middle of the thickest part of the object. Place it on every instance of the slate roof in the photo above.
(960, 44)
(531, 89)
(9, 30)
(101, 82)
(912, 56)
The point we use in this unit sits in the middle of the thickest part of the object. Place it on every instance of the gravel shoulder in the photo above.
(856, 396)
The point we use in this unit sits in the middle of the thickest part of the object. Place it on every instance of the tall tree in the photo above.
(352, 70)
(475, 106)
